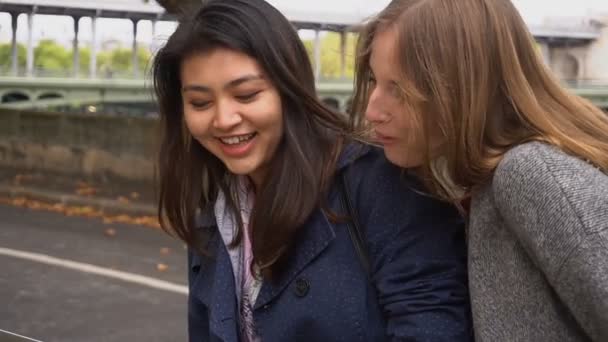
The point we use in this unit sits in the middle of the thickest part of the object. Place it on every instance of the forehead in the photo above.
(383, 48)
(218, 64)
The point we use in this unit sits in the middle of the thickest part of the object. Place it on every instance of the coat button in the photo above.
(302, 287)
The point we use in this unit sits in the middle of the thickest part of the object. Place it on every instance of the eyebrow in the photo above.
(232, 84)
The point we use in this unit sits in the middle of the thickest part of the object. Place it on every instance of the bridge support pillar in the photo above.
(317, 54)
(545, 51)
(30, 44)
(135, 62)
(14, 49)
(76, 50)
(343, 54)
(154, 29)
(93, 64)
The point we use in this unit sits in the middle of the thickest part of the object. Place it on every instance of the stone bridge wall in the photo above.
(88, 146)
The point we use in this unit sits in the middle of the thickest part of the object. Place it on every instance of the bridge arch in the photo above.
(14, 96)
(569, 68)
(332, 102)
(50, 96)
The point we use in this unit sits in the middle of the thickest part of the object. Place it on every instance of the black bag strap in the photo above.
(354, 229)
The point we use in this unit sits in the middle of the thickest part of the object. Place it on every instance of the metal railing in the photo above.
(102, 73)
(593, 83)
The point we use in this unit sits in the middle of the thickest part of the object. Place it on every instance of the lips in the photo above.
(237, 146)
(237, 139)
(384, 139)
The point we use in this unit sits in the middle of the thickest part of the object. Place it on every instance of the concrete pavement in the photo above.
(52, 302)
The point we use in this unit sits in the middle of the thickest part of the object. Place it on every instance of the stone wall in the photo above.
(89, 146)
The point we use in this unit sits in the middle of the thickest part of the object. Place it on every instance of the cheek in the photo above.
(197, 124)
(269, 117)
(403, 122)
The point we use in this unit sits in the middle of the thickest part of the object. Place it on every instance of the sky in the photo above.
(61, 28)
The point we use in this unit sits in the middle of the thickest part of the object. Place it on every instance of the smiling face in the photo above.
(232, 110)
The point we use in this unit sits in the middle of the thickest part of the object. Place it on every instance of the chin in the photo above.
(401, 159)
(240, 168)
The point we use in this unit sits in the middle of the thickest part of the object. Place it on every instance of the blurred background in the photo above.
(83, 258)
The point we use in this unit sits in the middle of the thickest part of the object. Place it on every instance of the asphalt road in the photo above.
(77, 279)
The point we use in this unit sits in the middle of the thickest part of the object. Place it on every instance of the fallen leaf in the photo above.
(82, 184)
(111, 232)
(123, 200)
(165, 251)
(19, 201)
(134, 195)
(17, 180)
(161, 267)
(89, 191)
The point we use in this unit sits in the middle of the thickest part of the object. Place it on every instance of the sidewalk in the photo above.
(104, 197)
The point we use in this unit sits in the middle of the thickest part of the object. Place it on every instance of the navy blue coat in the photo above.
(417, 290)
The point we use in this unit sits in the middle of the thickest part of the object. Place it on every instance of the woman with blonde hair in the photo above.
(456, 90)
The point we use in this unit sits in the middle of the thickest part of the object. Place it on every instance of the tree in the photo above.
(331, 56)
(84, 56)
(6, 56)
(52, 57)
(120, 61)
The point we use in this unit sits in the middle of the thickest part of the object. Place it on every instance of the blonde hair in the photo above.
(472, 69)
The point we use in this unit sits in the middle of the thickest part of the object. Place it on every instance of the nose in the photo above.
(376, 108)
(226, 116)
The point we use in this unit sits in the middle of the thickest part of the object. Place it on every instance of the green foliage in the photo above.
(53, 58)
(50, 56)
(84, 56)
(120, 61)
(331, 56)
(6, 56)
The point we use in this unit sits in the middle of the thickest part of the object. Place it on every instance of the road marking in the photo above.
(92, 269)
(8, 336)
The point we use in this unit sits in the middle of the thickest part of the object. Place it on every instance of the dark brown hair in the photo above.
(303, 165)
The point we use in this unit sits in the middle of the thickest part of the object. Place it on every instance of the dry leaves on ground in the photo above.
(81, 211)
(84, 189)
(110, 232)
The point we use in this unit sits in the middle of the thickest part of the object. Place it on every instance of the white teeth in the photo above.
(237, 140)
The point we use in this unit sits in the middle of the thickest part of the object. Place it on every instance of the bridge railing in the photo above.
(105, 73)
(591, 83)
(7, 71)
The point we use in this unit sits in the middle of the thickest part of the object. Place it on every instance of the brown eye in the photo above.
(199, 105)
(247, 97)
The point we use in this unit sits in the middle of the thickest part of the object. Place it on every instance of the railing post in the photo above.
(317, 54)
(76, 61)
(93, 63)
(14, 47)
(343, 43)
(30, 43)
(135, 56)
